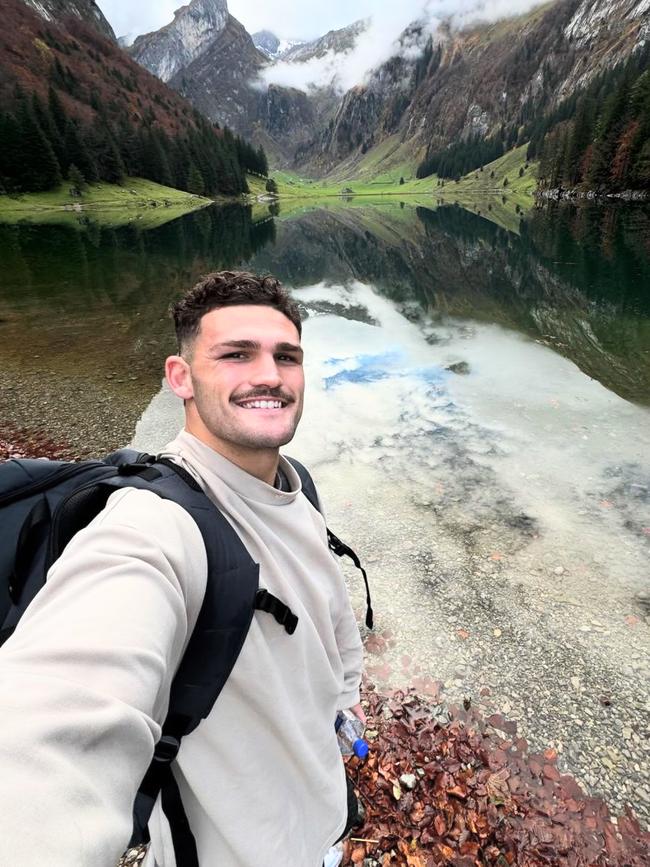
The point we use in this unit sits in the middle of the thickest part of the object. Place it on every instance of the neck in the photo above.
(259, 462)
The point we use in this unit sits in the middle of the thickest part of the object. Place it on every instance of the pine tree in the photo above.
(77, 180)
(610, 126)
(154, 159)
(56, 110)
(10, 152)
(50, 130)
(195, 182)
(581, 135)
(105, 153)
(262, 162)
(39, 168)
(640, 157)
(78, 153)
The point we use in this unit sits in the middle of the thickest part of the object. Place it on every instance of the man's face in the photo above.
(247, 377)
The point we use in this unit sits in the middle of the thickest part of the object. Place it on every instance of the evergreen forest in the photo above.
(597, 139)
(93, 115)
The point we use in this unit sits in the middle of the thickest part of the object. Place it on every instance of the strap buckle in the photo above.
(166, 749)
(265, 601)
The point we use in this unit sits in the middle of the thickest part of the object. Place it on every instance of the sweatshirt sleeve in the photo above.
(84, 681)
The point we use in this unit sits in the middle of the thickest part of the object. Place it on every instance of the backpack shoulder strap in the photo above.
(335, 544)
(231, 598)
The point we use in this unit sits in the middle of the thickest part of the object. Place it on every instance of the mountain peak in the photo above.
(274, 47)
(266, 42)
(188, 36)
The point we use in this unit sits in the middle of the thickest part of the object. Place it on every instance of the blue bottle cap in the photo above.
(360, 748)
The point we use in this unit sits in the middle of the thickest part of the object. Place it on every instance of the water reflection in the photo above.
(92, 300)
(125, 266)
(575, 278)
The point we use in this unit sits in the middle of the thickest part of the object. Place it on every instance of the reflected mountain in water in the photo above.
(124, 266)
(83, 309)
(574, 278)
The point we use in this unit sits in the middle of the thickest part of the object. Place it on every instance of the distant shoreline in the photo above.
(134, 196)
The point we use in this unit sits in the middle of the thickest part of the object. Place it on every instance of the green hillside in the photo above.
(108, 204)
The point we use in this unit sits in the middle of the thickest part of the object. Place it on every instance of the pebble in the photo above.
(408, 780)
(559, 570)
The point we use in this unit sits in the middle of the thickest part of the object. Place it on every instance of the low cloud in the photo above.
(381, 41)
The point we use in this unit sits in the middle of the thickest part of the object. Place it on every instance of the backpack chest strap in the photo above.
(265, 601)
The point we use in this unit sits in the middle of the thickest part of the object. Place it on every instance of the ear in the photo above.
(177, 372)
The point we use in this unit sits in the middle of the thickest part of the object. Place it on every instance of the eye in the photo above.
(290, 359)
(234, 355)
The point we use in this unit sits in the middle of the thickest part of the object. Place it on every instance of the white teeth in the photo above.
(263, 404)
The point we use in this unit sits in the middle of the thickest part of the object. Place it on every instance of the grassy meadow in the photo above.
(146, 202)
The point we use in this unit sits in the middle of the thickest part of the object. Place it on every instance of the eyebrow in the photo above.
(254, 345)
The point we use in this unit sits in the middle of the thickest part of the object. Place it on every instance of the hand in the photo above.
(357, 710)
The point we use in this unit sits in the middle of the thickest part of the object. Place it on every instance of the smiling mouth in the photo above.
(271, 403)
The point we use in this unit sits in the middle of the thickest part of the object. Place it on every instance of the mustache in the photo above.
(262, 393)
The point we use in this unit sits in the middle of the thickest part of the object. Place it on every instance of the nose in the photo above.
(265, 371)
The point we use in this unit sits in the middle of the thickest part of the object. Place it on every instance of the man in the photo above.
(85, 678)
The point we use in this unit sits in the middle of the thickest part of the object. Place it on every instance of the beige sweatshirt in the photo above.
(84, 683)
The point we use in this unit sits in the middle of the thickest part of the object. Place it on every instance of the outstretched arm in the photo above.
(84, 681)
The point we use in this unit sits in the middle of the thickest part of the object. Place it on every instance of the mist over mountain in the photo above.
(448, 84)
(428, 74)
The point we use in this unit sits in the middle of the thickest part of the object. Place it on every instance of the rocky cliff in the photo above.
(266, 42)
(334, 41)
(485, 80)
(209, 57)
(176, 46)
(85, 10)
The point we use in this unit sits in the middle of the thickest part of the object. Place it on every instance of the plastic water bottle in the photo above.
(349, 730)
(334, 856)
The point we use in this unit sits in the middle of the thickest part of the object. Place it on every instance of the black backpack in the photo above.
(44, 503)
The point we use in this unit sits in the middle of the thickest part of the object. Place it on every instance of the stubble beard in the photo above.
(226, 429)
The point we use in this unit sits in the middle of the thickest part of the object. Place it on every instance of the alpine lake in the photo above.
(477, 419)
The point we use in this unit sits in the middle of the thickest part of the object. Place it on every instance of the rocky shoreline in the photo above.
(559, 194)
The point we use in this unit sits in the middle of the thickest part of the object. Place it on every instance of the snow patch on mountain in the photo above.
(273, 46)
(603, 14)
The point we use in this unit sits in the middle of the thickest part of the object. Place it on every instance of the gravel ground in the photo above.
(468, 616)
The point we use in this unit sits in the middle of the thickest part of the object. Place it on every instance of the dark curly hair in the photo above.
(227, 289)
